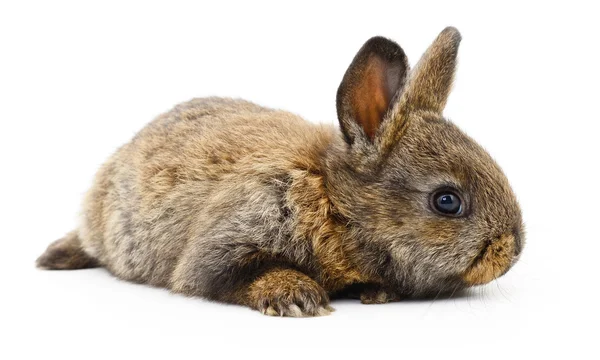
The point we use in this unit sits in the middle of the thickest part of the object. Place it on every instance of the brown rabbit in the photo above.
(233, 202)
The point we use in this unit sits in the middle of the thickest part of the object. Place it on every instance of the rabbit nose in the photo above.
(517, 235)
(493, 261)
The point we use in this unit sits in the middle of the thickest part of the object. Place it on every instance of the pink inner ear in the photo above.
(372, 95)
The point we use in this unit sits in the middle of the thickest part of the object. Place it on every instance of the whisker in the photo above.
(453, 291)
(469, 302)
(482, 296)
(500, 288)
(432, 301)
(452, 294)
(501, 291)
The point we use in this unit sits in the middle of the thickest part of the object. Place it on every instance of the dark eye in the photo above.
(447, 203)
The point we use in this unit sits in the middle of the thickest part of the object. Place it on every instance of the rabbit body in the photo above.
(234, 202)
(212, 186)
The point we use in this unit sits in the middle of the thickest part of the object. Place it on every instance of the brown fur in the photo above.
(318, 222)
(431, 81)
(239, 203)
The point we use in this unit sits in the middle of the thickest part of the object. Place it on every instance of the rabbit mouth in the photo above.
(492, 261)
(481, 254)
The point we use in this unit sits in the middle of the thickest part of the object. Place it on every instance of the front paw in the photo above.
(286, 292)
(377, 295)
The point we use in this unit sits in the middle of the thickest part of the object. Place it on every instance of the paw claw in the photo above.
(295, 311)
(271, 312)
(323, 311)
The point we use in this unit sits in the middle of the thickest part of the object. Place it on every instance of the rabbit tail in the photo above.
(66, 254)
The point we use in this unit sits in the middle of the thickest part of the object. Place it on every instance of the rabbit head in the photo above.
(431, 210)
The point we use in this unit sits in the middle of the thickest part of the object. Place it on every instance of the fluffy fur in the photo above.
(238, 203)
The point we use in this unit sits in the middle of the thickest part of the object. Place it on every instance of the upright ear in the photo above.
(371, 84)
(431, 80)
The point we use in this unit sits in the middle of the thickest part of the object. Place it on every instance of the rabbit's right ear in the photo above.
(369, 88)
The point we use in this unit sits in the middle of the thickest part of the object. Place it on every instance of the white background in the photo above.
(78, 80)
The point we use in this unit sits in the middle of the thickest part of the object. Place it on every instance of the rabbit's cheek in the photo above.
(492, 262)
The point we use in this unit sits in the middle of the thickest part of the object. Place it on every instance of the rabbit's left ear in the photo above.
(370, 86)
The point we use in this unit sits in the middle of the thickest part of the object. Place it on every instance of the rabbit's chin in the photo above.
(494, 261)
